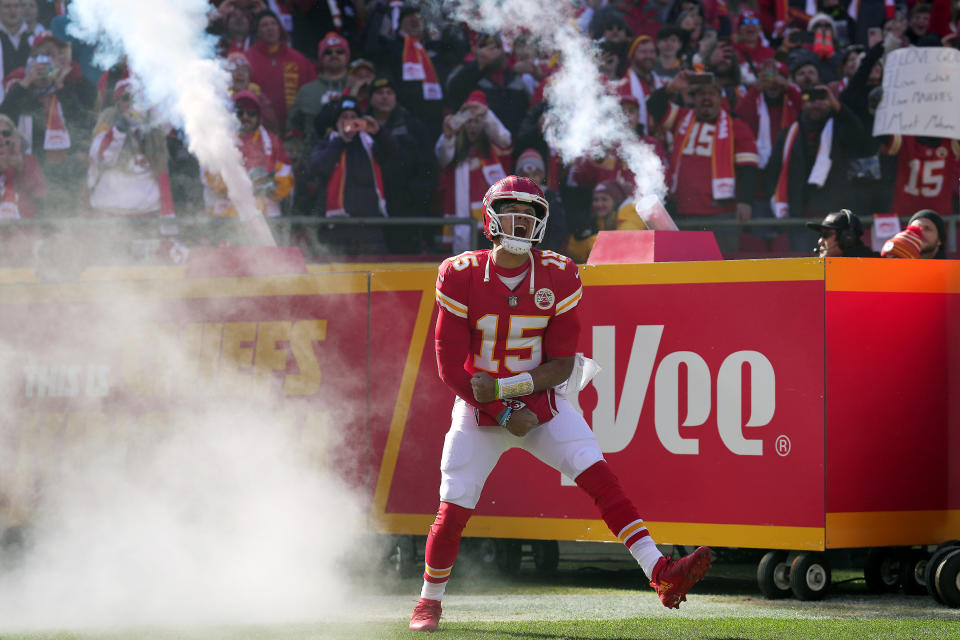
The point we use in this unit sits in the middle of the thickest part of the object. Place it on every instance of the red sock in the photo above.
(443, 541)
(615, 507)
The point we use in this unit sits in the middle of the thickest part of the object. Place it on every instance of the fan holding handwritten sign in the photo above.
(921, 93)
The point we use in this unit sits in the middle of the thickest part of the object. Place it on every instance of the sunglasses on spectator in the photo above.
(6, 133)
(750, 21)
(248, 112)
(330, 52)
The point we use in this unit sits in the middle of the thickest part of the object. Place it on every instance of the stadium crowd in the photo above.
(757, 109)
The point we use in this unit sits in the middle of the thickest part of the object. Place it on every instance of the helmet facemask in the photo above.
(527, 229)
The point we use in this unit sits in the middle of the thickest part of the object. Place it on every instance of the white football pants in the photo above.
(470, 452)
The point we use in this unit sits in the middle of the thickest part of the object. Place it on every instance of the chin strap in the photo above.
(486, 270)
(532, 271)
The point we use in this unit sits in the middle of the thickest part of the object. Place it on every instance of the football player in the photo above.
(506, 335)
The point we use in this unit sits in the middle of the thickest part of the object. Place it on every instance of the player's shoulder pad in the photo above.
(461, 263)
(556, 263)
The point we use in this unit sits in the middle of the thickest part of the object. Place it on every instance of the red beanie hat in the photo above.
(332, 39)
(906, 244)
(476, 97)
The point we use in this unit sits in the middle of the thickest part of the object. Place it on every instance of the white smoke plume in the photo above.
(583, 118)
(171, 55)
(176, 504)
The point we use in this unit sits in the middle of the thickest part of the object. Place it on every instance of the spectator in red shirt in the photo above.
(749, 45)
(927, 174)
(279, 70)
(239, 67)
(714, 156)
(641, 16)
(22, 185)
(472, 153)
(589, 172)
(640, 78)
(770, 106)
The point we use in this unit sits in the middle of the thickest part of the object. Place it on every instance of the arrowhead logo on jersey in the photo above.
(544, 298)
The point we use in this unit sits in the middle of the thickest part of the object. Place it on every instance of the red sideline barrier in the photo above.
(793, 404)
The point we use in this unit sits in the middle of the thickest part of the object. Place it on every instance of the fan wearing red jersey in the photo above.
(505, 339)
(927, 173)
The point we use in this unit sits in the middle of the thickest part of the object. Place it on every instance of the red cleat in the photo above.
(426, 615)
(674, 578)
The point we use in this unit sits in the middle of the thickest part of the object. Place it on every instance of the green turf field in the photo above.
(587, 599)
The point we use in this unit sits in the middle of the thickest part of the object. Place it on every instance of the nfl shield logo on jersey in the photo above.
(544, 298)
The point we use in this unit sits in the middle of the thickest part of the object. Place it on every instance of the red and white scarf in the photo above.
(818, 174)
(418, 66)
(56, 138)
(788, 114)
(722, 179)
(9, 198)
(336, 186)
(639, 92)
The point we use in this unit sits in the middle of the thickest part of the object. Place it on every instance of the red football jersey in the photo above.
(694, 194)
(926, 176)
(511, 331)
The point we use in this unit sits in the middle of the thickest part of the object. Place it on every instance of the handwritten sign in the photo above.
(921, 93)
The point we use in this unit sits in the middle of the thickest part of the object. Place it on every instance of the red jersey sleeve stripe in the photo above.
(569, 302)
(451, 305)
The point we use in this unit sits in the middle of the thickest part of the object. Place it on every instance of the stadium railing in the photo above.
(286, 228)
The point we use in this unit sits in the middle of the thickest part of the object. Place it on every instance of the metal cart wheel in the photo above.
(938, 556)
(913, 568)
(947, 579)
(773, 575)
(882, 570)
(509, 555)
(546, 556)
(809, 576)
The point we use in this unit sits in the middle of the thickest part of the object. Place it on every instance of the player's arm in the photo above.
(551, 373)
(452, 344)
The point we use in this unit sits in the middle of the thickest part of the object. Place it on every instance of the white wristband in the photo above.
(518, 385)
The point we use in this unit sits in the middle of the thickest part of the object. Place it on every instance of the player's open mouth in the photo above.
(520, 230)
